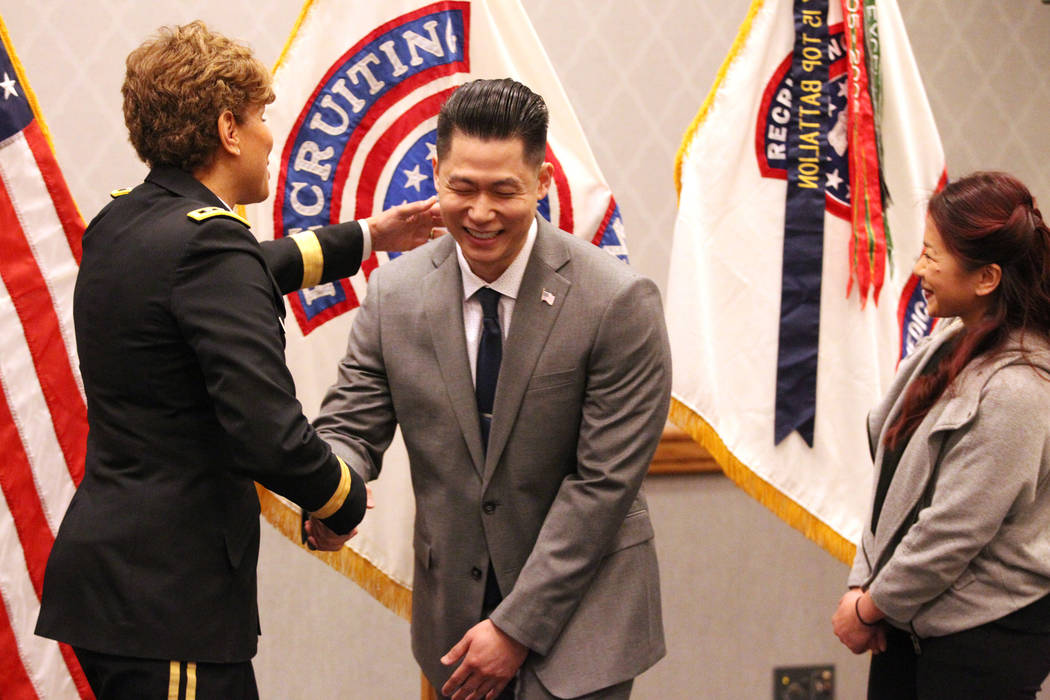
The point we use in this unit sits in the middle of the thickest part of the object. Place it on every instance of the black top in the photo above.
(891, 456)
(1034, 617)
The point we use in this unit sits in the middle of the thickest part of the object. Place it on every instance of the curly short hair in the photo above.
(178, 83)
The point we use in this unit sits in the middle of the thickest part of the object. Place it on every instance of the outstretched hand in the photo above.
(320, 536)
(406, 226)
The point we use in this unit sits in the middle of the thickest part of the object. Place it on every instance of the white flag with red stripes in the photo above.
(43, 418)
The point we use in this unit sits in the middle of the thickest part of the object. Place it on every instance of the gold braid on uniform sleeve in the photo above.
(338, 497)
(313, 257)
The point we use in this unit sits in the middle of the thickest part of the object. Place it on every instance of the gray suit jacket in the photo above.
(978, 469)
(556, 504)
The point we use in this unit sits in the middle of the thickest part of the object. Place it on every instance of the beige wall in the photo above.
(742, 592)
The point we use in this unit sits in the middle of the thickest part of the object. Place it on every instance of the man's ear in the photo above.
(229, 136)
(434, 165)
(546, 176)
(988, 279)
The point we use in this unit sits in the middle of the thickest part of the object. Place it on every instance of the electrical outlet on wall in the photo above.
(804, 683)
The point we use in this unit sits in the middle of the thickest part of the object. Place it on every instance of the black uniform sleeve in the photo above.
(346, 508)
(315, 256)
(225, 305)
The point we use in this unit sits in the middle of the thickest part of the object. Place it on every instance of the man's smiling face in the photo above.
(488, 195)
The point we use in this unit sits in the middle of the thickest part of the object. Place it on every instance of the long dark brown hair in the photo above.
(986, 218)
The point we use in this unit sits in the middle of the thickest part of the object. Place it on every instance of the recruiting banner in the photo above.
(789, 304)
(358, 88)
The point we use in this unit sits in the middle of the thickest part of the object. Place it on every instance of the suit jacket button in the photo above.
(476, 573)
(489, 507)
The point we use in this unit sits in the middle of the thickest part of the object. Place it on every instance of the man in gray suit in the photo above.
(530, 374)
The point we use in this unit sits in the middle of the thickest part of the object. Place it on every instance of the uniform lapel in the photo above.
(442, 301)
(540, 298)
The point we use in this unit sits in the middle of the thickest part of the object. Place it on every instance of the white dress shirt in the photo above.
(506, 284)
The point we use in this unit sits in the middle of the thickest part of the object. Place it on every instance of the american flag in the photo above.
(43, 417)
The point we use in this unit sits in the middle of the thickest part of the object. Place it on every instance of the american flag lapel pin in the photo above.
(547, 297)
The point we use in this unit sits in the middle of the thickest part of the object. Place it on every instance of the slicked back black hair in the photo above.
(495, 110)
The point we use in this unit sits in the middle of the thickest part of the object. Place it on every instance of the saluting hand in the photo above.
(406, 226)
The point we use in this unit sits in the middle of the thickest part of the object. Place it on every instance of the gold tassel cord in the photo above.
(392, 594)
(758, 488)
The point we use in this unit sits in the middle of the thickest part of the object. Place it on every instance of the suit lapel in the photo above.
(540, 298)
(442, 301)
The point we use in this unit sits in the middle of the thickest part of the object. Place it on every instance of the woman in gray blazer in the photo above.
(950, 587)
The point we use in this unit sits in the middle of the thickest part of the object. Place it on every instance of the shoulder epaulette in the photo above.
(119, 192)
(205, 213)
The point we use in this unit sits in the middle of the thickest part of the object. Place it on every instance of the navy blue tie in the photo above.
(490, 354)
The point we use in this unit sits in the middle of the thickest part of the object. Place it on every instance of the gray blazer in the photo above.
(979, 466)
(557, 503)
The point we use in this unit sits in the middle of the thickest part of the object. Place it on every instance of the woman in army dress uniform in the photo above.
(178, 315)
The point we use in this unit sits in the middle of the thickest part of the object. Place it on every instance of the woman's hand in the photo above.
(854, 632)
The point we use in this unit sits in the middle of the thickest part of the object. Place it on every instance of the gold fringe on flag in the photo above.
(758, 488)
(395, 596)
(738, 44)
(303, 12)
(30, 96)
(21, 74)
